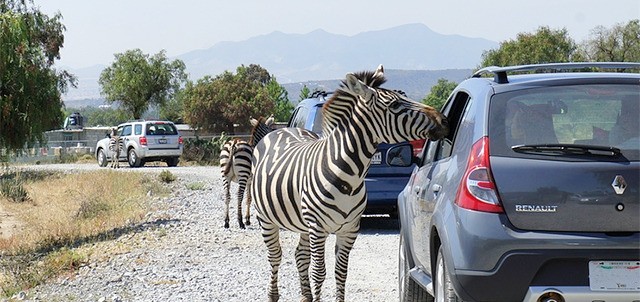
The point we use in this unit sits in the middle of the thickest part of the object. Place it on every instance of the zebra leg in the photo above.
(302, 263)
(240, 196)
(271, 237)
(317, 240)
(247, 217)
(227, 199)
(344, 243)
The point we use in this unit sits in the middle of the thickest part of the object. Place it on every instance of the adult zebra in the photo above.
(235, 161)
(116, 145)
(315, 186)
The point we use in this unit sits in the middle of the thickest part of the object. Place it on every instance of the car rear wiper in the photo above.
(567, 149)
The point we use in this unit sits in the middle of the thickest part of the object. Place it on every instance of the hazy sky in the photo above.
(96, 30)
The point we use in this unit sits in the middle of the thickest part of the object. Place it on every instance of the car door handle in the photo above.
(436, 189)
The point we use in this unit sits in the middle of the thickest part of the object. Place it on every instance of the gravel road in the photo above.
(183, 253)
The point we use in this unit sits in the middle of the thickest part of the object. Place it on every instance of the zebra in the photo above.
(235, 161)
(315, 185)
(116, 145)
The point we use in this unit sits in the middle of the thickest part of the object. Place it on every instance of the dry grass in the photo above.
(65, 212)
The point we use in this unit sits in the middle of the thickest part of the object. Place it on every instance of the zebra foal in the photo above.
(315, 185)
(235, 163)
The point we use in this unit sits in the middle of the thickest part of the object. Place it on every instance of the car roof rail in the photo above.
(318, 93)
(500, 73)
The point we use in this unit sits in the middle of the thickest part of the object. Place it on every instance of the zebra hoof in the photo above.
(226, 225)
(242, 226)
(274, 298)
(247, 222)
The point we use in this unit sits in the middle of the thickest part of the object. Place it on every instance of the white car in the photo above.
(144, 141)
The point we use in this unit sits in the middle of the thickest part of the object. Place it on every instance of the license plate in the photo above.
(162, 141)
(614, 275)
(376, 159)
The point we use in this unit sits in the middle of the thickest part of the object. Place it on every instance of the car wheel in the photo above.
(134, 160)
(102, 158)
(443, 288)
(409, 289)
(172, 162)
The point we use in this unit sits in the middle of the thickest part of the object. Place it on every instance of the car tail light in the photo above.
(143, 141)
(477, 191)
(417, 146)
(180, 140)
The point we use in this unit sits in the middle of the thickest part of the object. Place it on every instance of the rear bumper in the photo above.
(493, 262)
(526, 275)
(148, 154)
(579, 294)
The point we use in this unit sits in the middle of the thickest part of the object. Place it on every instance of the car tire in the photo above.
(102, 158)
(134, 160)
(173, 161)
(409, 290)
(443, 290)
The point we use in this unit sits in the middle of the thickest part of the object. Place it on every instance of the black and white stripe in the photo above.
(315, 185)
(235, 161)
(116, 146)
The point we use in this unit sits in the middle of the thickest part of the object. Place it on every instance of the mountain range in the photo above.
(414, 51)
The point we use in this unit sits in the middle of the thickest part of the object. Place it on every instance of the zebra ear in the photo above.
(269, 120)
(253, 122)
(379, 72)
(357, 87)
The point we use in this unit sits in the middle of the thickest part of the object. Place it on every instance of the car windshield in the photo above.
(161, 129)
(553, 119)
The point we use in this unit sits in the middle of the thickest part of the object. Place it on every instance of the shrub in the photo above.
(195, 186)
(13, 189)
(204, 151)
(166, 176)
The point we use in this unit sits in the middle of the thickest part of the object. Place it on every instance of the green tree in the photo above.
(173, 109)
(280, 97)
(137, 80)
(30, 87)
(621, 43)
(305, 93)
(439, 93)
(544, 46)
(220, 103)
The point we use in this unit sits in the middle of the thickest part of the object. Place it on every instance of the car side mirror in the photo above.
(401, 156)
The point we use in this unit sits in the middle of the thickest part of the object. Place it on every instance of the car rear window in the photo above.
(603, 115)
(161, 129)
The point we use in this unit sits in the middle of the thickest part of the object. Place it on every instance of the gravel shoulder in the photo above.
(183, 253)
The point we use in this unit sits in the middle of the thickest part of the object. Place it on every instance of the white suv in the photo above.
(144, 141)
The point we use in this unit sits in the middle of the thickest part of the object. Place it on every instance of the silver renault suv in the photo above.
(534, 194)
(144, 141)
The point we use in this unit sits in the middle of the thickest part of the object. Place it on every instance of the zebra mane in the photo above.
(338, 109)
(261, 127)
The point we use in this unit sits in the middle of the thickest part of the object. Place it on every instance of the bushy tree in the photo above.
(621, 43)
(439, 93)
(137, 80)
(228, 100)
(280, 96)
(543, 46)
(30, 87)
